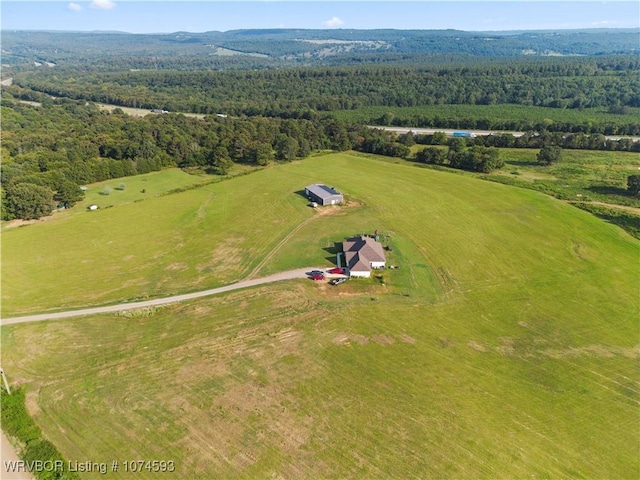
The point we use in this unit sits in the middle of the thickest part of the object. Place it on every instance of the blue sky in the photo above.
(200, 16)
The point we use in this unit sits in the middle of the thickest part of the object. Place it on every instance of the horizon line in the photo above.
(107, 31)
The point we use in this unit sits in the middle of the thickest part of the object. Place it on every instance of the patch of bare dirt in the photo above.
(407, 338)
(199, 310)
(329, 210)
(507, 348)
(634, 210)
(177, 266)
(476, 346)
(288, 341)
(226, 256)
(22, 223)
(18, 223)
(341, 339)
(383, 339)
(349, 338)
(31, 402)
(355, 338)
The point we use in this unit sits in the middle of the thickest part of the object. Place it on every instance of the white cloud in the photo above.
(103, 4)
(604, 23)
(74, 7)
(334, 22)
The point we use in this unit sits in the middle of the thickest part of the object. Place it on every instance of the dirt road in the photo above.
(8, 454)
(288, 275)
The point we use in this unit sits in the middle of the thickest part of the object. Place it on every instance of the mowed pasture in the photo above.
(506, 345)
(174, 243)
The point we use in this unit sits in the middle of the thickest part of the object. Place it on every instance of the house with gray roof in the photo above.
(323, 195)
(362, 254)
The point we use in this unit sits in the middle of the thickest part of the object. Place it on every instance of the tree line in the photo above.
(476, 158)
(573, 141)
(50, 151)
(588, 126)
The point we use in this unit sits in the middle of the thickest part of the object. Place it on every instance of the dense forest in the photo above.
(576, 83)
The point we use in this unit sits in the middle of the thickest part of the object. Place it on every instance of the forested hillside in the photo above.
(278, 47)
(610, 82)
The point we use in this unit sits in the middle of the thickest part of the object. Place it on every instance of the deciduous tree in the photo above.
(29, 201)
(549, 155)
(431, 155)
(68, 193)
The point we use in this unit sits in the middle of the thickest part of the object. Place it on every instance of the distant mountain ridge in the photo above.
(279, 47)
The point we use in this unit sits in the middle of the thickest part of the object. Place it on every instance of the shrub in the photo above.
(548, 155)
(633, 185)
(17, 423)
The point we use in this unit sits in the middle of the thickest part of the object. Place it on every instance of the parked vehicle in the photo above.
(337, 271)
(317, 276)
(464, 134)
(337, 281)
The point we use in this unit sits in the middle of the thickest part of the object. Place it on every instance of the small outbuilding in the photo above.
(323, 195)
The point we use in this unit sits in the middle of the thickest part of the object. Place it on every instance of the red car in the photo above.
(317, 276)
(337, 271)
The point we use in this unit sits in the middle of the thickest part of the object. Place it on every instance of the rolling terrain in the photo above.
(504, 346)
(275, 47)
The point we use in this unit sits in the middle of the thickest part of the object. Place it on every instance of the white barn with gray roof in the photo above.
(323, 195)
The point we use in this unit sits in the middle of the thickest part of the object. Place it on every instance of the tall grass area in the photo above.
(17, 422)
(580, 175)
(505, 345)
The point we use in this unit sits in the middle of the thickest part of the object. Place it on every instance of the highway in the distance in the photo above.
(478, 133)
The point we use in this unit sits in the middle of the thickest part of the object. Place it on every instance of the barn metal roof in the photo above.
(322, 191)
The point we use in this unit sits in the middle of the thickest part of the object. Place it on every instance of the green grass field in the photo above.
(120, 191)
(506, 345)
(162, 245)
